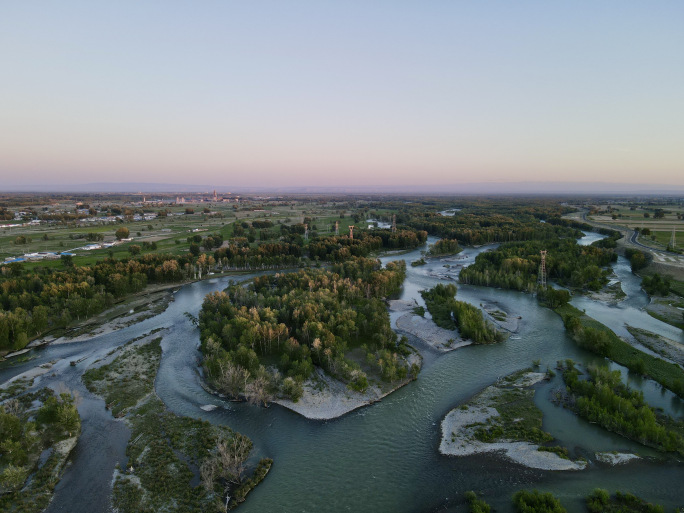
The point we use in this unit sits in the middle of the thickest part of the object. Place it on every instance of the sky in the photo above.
(341, 93)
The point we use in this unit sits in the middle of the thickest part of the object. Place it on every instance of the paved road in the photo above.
(659, 255)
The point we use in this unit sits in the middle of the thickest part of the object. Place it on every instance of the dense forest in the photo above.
(339, 248)
(42, 298)
(445, 247)
(299, 321)
(495, 223)
(515, 265)
(37, 299)
(448, 313)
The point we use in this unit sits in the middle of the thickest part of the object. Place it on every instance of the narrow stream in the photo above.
(382, 458)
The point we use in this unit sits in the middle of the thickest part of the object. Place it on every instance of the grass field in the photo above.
(170, 233)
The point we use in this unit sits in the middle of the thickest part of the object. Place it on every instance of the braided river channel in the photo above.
(383, 457)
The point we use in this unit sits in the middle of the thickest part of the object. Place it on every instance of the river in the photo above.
(382, 458)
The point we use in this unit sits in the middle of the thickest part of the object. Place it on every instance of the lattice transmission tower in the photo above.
(394, 223)
(351, 231)
(673, 240)
(542, 269)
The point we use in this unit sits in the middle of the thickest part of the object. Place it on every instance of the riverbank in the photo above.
(39, 431)
(669, 349)
(326, 398)
(615, 458)
(168, 455)
(598, 338)
(135, 310)
(431, 334)
(667, 309)
(611, 294)
(29, 376)
(502, 419)
(503, 319)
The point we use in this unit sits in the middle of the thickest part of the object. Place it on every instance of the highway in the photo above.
(631, 240)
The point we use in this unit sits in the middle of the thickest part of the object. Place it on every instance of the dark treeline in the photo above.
(45, 297)
(445, 247)
(605, 400)
(600, 501)
(516, 265)
(240, 255)
(638, 259)
(484, 223)
(339, 248)
(597, 338)
(301, 321)
(448, 313)
(36, 300)
(656, 285)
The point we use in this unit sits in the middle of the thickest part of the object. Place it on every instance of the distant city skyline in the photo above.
(341, 94)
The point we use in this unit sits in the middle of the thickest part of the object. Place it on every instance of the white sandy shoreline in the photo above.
(427, 331)
(459, 425)
(326, 398)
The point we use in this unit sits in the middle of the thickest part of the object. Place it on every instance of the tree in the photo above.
(13, 477)
(134, 249)
(122, 233)
(67, 260)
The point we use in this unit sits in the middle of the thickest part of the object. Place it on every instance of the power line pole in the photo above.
(542, 269)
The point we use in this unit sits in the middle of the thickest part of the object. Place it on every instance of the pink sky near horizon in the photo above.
(342, 94)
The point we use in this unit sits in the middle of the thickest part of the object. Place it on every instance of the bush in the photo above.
(293, 389)
(536, 502)
(476, 505)
(597, 500)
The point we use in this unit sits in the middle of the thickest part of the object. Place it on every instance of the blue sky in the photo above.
(341, 93)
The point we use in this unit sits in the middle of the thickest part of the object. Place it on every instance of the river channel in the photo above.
(384, 457)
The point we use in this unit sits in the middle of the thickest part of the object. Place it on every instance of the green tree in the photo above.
(122, 233)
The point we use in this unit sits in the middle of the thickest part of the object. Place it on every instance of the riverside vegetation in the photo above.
(603, 398)
(39, 298)
(35, 443)
(167, 452)
(299, 321)
(448, 313)
(598, 501)
(597, 338)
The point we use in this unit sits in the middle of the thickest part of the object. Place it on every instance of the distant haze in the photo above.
(401, 95)
(491, 188)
